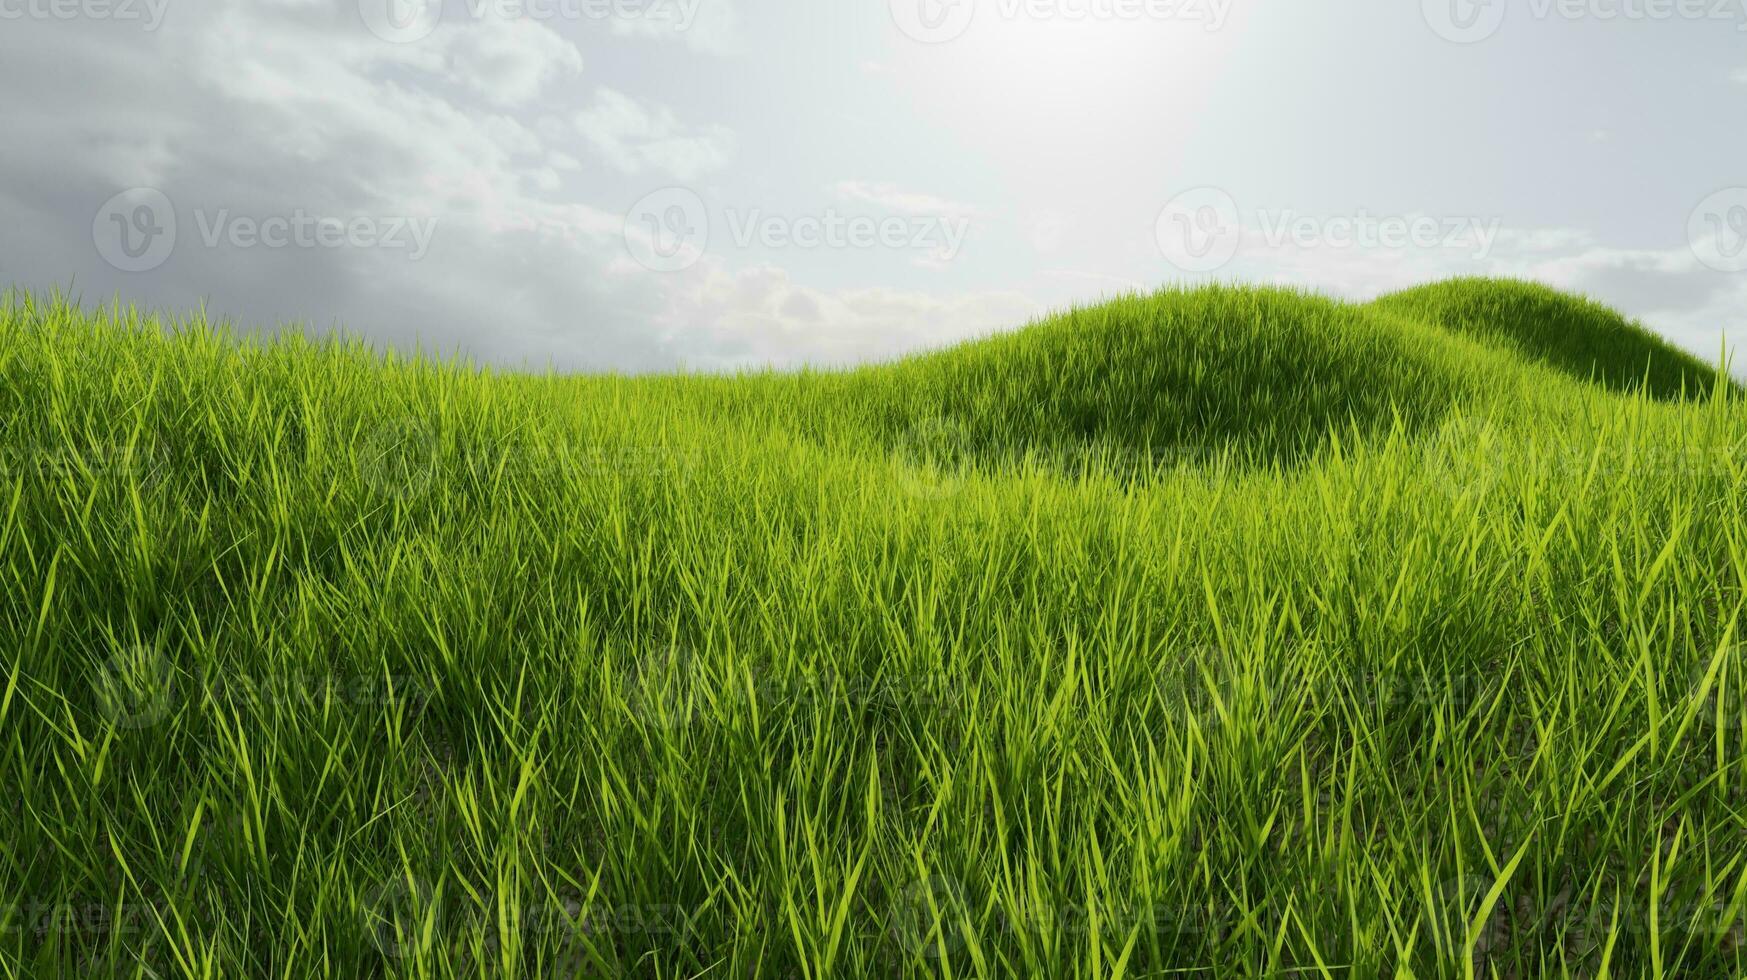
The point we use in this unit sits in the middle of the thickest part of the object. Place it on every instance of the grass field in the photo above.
(1213, 633)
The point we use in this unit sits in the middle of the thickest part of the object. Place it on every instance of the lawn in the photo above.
(1217, 632)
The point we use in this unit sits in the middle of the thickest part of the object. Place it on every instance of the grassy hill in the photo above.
(1233, 631)
(1581, 337)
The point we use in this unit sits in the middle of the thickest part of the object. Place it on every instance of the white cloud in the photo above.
(259, 109)
(265, 110)
(760, 316)
(508, 62)
(1670, 289)
(264, 106)
(706, 26)
(1045, 230)
(315, 104)
(635, 138)
(895, 199)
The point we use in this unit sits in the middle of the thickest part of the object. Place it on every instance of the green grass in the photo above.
(1215, 633)
(1578, 336)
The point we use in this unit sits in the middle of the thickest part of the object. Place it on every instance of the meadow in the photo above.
(1216, 632)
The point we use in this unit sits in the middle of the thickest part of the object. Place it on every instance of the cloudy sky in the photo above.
(645, 184)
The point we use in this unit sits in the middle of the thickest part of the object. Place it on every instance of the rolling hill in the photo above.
(1579, 336)
(1237, 631)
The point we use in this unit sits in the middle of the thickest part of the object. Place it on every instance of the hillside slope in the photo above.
(315, 661)
(1578, 336)
(1265, 375)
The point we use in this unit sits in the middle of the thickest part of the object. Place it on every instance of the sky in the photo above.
(644, 185)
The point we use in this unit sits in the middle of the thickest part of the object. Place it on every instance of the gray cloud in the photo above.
(525, 140)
